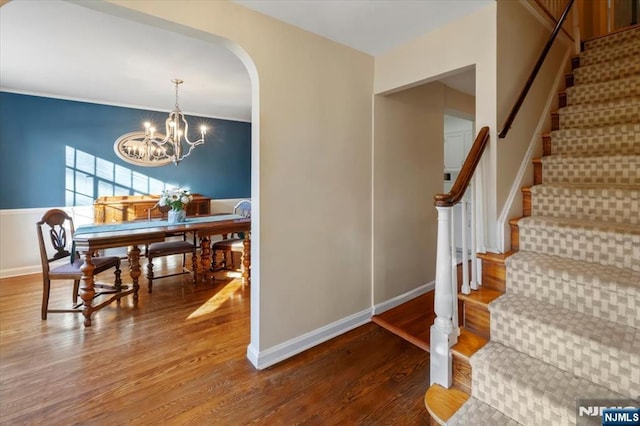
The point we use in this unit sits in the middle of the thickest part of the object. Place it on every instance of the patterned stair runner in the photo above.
(568, 326)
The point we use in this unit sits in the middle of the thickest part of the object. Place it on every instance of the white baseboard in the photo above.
(278, 353)
(399, 300)
(274, 355)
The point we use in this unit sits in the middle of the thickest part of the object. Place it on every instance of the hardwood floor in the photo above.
(411, 320)
(178, 357)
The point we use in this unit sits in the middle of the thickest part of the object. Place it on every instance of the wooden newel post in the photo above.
(443, 333)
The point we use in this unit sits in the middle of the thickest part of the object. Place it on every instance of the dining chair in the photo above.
(170, 248)
(229, 244)
(58, 225)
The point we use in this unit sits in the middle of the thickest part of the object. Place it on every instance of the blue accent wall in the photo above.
(40, 138)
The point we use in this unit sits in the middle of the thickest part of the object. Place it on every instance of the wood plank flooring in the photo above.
(411, 320)
(179, 357)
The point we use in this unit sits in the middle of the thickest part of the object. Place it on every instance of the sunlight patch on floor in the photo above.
(218, 299)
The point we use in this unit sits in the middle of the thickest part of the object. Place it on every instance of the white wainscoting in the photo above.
(19, 254)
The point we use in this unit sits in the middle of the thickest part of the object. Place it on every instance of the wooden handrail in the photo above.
(541, 4)
(466, 173)
(534, 72)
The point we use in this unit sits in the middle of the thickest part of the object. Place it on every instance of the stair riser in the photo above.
(593, 119)
(462, 374)
(607, 141)
(626, 36)
(494, 273)
(476, 320)
(621, 50)
(621, 68)
(598, 92)
(617, 368)
(610, 170)
(605, 248)
(577, 296)
(580, 206)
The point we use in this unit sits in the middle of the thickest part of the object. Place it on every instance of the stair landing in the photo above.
(411, 321)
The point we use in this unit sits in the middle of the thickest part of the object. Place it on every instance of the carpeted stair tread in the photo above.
(527, 389)
(613, 52)
(606, 71)
(603, 291)
(600, 114)
(618, 139)
(606, 243)
(630, 35)
(475, 412)
(594, 349)
(594, 202)
(615, 169)
(605, 90)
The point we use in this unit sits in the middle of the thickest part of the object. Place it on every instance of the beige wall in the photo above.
(464, 43)
(311, 167)
(518, 27)
(502, 41)
(408, 171)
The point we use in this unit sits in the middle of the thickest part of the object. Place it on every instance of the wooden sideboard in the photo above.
(134, 207)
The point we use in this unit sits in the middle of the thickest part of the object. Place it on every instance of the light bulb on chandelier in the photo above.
(151, 149)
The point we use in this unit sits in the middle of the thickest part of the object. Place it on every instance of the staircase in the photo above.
(558, 319)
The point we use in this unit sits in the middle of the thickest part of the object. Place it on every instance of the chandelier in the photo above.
(150, 149)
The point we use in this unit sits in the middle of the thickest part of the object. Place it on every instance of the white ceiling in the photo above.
(372, 26)
(59, 49)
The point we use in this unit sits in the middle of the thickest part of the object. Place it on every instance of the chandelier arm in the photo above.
(196, 143)
(186, 132)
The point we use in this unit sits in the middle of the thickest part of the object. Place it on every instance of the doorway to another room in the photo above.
(458, 138)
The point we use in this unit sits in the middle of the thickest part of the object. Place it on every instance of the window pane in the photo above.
(82, 200)
(123, 176)
(105, 189)
(68, 179)
(140, 183)
(85, 162)
(155, 186)
(68, 198)
(104, 169)
(70, 155)
(84, 184)
(118, 190)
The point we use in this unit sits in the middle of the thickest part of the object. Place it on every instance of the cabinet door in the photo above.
(141, 210)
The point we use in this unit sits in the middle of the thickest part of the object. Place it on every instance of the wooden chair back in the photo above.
(60, 229)
(58, 226)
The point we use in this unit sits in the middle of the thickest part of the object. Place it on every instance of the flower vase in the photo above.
(176, 216)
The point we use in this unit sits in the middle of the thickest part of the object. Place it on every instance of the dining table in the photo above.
(90, 239)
